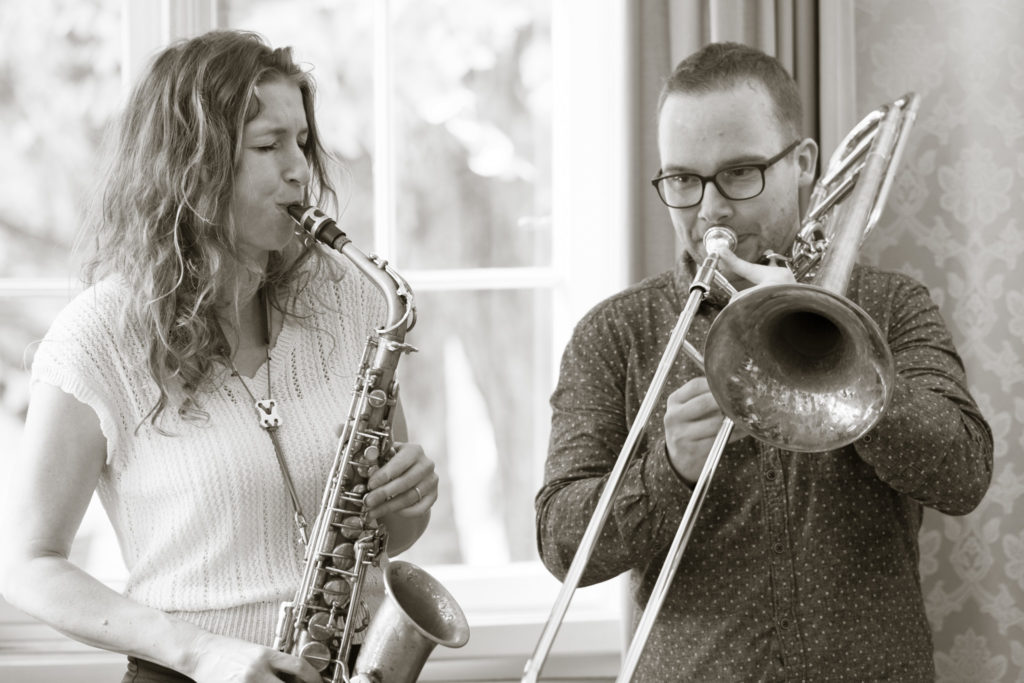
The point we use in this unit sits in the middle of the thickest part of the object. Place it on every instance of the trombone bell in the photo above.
(799, 366)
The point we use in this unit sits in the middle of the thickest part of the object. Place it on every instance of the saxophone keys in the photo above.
(371, 454)
(351, 527)
(336, 592)
(343, 556)
(320, 627)
(378, 398)
(317, 654)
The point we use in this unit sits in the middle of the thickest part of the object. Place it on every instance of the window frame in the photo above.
(507, 604)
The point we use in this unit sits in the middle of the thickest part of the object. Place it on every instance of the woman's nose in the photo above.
(297, 168)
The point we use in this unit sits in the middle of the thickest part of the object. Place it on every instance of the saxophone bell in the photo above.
(417, 614)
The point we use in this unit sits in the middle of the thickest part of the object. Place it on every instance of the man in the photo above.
(802, 566)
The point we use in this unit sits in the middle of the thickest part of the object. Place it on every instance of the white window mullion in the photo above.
(384, 214)
(149, 25)
(590, 169)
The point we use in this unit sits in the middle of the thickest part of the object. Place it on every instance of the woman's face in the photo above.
(272, 171)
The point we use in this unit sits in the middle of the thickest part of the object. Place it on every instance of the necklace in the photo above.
(270, 420)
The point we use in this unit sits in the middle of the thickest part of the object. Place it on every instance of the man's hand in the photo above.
(692, 420)
(753, 273)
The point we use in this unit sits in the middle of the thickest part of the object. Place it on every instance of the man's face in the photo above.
(706, 133)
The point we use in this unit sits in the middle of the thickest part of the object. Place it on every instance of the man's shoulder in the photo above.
(868, 281)
(653, 288)
(633, 305)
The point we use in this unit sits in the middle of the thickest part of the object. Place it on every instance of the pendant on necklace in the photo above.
(267, 410)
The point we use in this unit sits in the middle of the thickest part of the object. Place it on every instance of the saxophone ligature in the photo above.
(331, 608)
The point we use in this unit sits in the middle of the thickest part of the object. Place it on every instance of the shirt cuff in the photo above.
(658, 470)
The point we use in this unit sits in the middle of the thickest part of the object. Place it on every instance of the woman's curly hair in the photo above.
(162, 220)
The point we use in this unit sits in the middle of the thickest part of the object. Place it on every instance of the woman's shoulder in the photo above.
(85, 341)
(96, 309)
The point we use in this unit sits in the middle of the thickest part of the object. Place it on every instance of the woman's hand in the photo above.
(220, 659)
(406, 485)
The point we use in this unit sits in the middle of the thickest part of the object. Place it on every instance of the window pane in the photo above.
(60, 87)
(476, 397)
(336, 40)
(472, 128)
(471, 107)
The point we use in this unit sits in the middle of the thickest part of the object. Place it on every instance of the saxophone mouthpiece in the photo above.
(319, 225)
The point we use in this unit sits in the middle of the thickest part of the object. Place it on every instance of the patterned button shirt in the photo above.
(802, 566)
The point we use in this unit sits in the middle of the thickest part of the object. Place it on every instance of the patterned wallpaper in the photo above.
(955, 220)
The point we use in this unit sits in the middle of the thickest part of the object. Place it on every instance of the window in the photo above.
(54, 107)
(482, 151)
(440, 111)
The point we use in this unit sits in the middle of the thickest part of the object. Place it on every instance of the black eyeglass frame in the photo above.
(761, 166)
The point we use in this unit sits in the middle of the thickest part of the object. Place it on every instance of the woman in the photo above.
(203, 301)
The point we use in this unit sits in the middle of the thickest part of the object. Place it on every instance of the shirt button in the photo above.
(779, 548)
(770, 475)
(866, 438)
(785, 624)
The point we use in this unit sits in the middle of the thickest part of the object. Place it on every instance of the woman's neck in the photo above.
(251, 329)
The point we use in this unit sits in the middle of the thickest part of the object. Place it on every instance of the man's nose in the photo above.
(714, 208)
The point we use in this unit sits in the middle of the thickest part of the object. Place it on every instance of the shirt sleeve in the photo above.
(82, 356)
(589, 425)
(932, 443)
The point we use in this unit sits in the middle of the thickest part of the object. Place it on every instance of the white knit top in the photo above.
(203, 516)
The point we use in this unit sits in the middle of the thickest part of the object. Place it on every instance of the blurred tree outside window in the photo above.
(60, 85)
(470, 180)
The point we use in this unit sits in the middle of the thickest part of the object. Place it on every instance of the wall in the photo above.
(953, 221)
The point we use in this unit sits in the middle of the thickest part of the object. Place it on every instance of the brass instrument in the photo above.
(799, 366)
(330, 611)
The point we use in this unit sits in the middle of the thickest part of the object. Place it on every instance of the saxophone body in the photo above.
(346, 552)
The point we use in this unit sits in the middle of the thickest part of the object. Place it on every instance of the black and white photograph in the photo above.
(494, 341)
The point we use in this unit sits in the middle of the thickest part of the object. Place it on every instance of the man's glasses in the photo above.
(746, 181)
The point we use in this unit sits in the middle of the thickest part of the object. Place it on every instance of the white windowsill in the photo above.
(494, 653)
(504, 631)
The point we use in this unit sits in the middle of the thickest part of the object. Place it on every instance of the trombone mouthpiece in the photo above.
(719, 238)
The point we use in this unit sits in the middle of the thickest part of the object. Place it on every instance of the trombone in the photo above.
(800, 366)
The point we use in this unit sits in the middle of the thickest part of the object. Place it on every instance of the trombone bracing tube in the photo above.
(716, 239)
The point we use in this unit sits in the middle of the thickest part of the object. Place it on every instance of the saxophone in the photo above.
(330, 611)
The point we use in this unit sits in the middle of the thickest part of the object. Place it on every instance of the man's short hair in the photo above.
(719, 66)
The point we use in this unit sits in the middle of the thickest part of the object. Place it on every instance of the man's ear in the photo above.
(807, 161)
